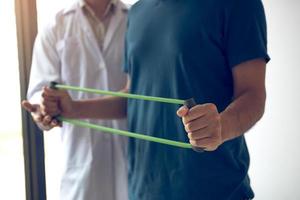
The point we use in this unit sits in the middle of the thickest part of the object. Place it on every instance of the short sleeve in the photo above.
(246, 33)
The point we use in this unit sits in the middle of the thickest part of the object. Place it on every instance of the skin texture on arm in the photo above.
(58, 102)
(249, 99)
(208, 129)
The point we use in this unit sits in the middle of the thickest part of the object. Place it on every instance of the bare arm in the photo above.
(108, 107)
(249, 99)
(208, 129)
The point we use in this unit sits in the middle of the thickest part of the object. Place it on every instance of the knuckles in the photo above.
(192, 136)
(211, 107)
(47, 110)
(188, 127)
(213, 120)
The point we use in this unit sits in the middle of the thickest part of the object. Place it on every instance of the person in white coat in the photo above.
(83, 46)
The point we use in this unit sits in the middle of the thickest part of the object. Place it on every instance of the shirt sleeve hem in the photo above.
(263, 56)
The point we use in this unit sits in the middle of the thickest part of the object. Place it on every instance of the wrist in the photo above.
(229, 126)
(225, 133)
(73, 110)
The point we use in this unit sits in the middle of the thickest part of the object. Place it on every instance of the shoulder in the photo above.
(241, 10)
(56, 24)
(246, 4)
(137, 6)
(60, 19)
(62, 15)
(241, 5)
(123, 6)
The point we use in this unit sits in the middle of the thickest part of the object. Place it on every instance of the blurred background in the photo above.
(273, 143)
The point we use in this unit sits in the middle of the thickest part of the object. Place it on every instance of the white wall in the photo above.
(274, 142)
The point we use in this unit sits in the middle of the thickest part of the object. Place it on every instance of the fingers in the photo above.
(212, 130)
(28, 106)
(199, 117)
(199, 111)
(48, 123)
(51, 100)
(34, 110)
(56, 102)
(49, 107)
(199, 123)
(49, 93)
(37, 117)
(203, 125)
(46, 120)
(55, 123)
(40, 117)
(199, 134)
(41, 121)
(182, 111)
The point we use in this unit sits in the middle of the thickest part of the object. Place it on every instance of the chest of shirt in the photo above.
(175, 26)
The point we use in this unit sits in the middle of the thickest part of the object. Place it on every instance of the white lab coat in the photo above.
(95, 164)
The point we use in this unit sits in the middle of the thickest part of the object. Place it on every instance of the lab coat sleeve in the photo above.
(45, 64)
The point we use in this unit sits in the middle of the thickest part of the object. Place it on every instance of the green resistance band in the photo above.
(125, 133)
(189, 103)
(118, 94)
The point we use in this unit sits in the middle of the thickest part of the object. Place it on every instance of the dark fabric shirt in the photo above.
(183, 49)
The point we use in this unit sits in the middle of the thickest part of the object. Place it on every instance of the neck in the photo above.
(98, 6)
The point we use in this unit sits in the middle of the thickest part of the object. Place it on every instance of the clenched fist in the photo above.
(203, 125)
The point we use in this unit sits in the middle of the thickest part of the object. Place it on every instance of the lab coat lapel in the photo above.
(91, 35)
(88, 30)
(113, 25)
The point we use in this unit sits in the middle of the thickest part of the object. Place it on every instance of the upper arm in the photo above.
(45, 66)
(250, 77)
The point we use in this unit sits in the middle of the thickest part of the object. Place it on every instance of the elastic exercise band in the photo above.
(126, 133)
(121, 94)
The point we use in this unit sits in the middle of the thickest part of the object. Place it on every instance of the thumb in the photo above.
(29, 107)
(182, 111)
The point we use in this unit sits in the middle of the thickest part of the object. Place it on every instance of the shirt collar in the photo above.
(111, 6)
(80, 3)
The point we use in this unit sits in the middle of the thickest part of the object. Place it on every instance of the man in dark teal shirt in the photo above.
(183, 49)
(214, 51)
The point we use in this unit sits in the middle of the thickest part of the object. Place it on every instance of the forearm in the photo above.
(101, 108)
(242, 114)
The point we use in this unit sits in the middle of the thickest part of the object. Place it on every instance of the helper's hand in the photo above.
(203, 125)
(44, 122)
(56, 102)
